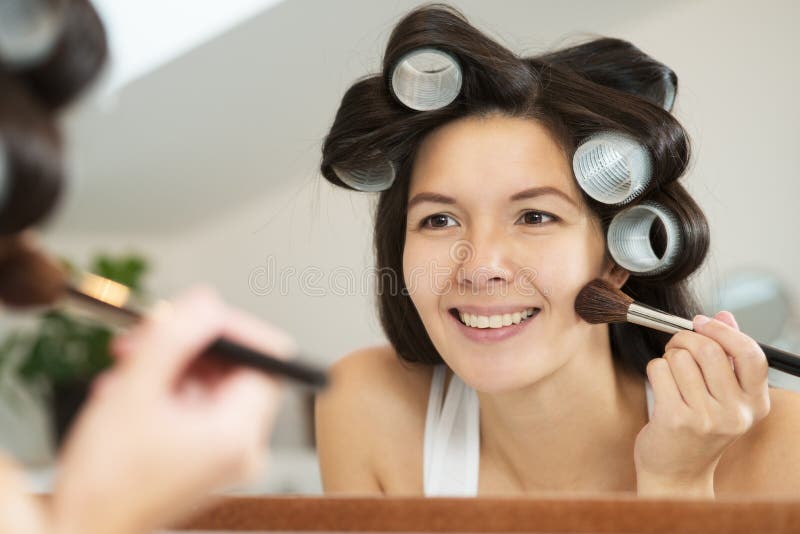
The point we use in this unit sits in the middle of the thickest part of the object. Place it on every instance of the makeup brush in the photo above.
(600, 302)
(29, 278)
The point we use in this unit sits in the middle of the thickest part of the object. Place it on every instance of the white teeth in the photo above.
(495, 321)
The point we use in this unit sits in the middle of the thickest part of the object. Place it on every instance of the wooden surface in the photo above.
(622, 514)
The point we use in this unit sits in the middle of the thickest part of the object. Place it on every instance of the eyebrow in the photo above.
(533, 192)
(540, 191)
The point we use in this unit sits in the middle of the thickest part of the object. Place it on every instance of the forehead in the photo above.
(506, 153)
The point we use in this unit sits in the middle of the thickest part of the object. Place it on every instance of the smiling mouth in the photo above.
(494, 321)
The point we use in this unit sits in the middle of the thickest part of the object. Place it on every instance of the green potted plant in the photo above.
(58, 360)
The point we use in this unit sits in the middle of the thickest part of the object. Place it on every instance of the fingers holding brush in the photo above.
(749, 361)
(225, 321)
(167, 412)
(702, 404)
(729, 365)
(688, 378)
(711, 366)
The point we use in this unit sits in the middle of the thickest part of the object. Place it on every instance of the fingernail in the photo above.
(700, 320)
(733, 319)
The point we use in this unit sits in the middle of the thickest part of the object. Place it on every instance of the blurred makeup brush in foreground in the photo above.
(600, 302)
(29, 278)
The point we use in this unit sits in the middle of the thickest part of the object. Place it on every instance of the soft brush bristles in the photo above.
(600, 302)
(28, 277)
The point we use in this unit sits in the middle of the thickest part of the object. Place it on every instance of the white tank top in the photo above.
(451, 453)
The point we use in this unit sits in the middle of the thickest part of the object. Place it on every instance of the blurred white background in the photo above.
(200, 149)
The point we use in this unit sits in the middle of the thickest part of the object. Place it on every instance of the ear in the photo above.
(616, 275)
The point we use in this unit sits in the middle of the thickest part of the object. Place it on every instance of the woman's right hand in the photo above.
(163, 428)
(711, 388)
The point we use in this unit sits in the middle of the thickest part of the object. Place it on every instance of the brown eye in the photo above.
(536, 218)
(438, 220)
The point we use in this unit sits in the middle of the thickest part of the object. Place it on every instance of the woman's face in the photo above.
(496, 231)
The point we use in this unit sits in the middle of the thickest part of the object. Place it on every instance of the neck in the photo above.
(572, 430)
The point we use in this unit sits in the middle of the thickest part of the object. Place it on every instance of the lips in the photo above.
(498, 319)
(492, 334)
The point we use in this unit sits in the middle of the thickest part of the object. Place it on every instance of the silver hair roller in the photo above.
(629, 238)
(29, 29)
(377, 177)
(426, 79)
(612, 167)
(669, 96)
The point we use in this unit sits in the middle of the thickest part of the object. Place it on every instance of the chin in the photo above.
(500, 360)
(501, 372)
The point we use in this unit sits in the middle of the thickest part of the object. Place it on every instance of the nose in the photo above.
(484, 260)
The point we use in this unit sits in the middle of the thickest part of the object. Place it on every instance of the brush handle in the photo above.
(222, 349)
(231, 352)
(782, 360)
(645, 315)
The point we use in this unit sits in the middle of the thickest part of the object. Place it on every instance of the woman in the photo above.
(492, 384)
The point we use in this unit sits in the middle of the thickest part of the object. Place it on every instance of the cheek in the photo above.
(564, 266)
(425, 270)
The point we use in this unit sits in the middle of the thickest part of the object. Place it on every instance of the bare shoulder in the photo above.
(370, 421)
(767, 459)
(377, 382)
